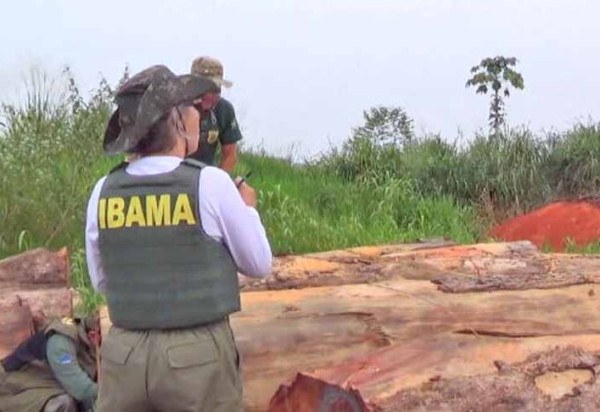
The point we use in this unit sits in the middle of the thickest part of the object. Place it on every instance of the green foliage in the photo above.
(307, 209)
(574, 163)
(80, 280)
(591, 249)
(386, 126)
(51, 155)
(500, 177)
(431, 163)
(372, 151)
(508, 173)
(496, 74)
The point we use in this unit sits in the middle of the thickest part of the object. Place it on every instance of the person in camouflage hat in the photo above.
(165, 239)
(120, 128)
(54, 370)
(219, 125)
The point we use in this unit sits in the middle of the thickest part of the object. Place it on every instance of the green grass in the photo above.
(500, 176)
(305, 209)
(89, 298)
(589, 249)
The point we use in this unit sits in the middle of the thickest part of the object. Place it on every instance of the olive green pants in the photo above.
(28, 389)
(196, 369)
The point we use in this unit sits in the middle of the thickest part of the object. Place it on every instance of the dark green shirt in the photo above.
(217, 126)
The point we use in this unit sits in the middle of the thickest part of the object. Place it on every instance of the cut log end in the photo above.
(33, 289)
(307, 393)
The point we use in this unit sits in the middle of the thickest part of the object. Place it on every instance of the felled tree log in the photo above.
(509, 274)
(16, 324)
(34, 287)
(513, 387)
(402, 330)
(340, 267)
(370, 320)
(381, 376)
(309, 394)
(560, 379)
(34, 269)
(46, 303)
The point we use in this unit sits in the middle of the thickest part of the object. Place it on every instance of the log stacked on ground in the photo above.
(375, 324)
(34, 286)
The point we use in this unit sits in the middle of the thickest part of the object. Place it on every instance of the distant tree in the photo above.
(386, 125)
(496, 74)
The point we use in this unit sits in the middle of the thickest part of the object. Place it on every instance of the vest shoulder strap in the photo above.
(118, 167)
(66, 327)
(194, 163)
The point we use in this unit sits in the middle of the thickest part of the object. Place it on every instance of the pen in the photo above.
(243, 179)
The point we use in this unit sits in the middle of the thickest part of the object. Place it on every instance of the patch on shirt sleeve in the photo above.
(66, 359)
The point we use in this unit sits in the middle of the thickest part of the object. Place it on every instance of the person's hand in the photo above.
(247, 193)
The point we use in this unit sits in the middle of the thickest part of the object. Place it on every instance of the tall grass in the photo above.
(500, 176)
(51, 155)
(574, 163)
(305, 209)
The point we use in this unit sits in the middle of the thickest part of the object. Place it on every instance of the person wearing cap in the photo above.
(165, 238)
(219, 125)
(54, 370)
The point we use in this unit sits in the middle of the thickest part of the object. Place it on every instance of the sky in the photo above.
(304, 70)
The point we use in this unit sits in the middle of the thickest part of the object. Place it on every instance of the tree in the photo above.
(496, 74)
(386, 126)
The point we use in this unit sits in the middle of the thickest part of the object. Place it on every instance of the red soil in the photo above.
(555, 225)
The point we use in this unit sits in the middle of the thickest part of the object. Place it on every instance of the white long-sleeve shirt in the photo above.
(224, 215)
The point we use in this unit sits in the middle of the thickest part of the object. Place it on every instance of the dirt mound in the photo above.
(556, 225)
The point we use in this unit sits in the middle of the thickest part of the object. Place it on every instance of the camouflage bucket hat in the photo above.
(210, 68)
(119, 131)
(163, 95)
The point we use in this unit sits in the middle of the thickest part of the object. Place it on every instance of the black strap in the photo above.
(194, 163)
(120, 166)
(34, 348)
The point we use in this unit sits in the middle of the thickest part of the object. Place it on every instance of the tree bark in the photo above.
(16, 324)
(45, 304)
(340, 267)
(34, 287)
(35, 269)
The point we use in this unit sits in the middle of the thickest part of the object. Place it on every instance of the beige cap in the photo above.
(210, 68)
